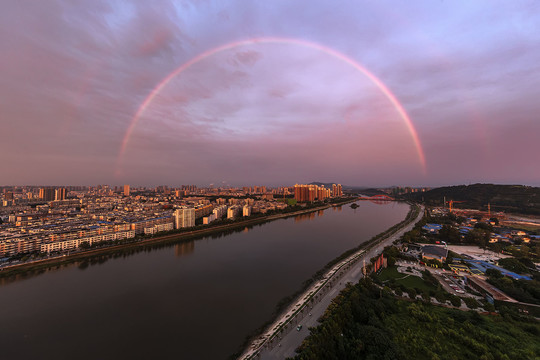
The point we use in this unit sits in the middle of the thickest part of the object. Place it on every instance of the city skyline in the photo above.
(364, 94)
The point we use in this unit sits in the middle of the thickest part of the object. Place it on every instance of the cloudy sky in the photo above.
(274, 92)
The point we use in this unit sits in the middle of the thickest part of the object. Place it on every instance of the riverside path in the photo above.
(284, 344)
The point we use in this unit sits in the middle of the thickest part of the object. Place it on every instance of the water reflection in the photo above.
(181, 248)
(303, 217)
(18, 277)
(185, 248)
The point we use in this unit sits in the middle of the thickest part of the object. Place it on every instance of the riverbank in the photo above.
(324, 279)
(36, 265)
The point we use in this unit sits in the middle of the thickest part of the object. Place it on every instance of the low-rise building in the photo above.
(159, 228)
(433, 252)
(75, 243)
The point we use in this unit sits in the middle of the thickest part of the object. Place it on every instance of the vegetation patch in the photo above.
(364, 322)
(394, 277)
(527, 291)
(508, 198)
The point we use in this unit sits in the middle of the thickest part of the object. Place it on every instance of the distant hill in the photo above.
(507, 198)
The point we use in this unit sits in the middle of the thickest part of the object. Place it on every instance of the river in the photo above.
(194, 300)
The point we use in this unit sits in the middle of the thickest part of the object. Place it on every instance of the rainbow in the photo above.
(263, 40)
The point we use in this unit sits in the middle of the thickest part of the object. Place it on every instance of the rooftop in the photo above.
(435, 250)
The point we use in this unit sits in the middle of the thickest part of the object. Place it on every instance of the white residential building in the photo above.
(184, 217)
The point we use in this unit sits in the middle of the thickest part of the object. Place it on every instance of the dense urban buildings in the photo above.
(54, 219)
(309, 193)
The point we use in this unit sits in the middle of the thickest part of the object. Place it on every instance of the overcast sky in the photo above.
(75, 76)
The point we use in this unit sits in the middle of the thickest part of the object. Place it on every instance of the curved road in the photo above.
(291, 338)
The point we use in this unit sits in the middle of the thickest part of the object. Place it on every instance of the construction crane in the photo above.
(451, 204)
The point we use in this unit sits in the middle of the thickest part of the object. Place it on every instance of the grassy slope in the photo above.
(410, 281)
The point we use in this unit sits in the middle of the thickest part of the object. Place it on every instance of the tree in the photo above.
(524, 251)
(449, 234)
(84, 245)
(471, 302)
(479, 237)
(514, 265)
(440, 296)
(412, 293)
(483, 226)
(494, 273)
(496, 247)
(488, 307)
(455, 300)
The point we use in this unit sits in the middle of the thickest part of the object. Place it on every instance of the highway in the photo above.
(284, 346)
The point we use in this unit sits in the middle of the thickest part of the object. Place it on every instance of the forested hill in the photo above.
(508, 198)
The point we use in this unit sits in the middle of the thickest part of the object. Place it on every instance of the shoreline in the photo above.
(19, 269)
(269, 331)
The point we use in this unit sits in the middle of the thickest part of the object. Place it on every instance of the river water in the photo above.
(194, 300)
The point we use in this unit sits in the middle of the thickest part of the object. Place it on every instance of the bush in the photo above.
(440, 296)
(494, 273)
(515, 265)
(455, 300)
(471, 302)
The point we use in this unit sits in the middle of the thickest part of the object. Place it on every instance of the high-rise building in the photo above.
(47, 194)
(305, 193)
(234, 211)
(126, 190)
(184, 217)
(60, 194)
(336, 190)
